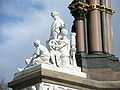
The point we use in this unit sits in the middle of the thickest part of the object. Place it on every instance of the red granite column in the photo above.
(79, 24)
(109, 30)
(95, 39)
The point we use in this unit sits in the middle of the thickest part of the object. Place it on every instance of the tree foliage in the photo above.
(3, 85)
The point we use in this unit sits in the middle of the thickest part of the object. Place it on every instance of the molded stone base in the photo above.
(99, 66)
(71, 70)
(38, 74)
(102, 74)
(47, 86)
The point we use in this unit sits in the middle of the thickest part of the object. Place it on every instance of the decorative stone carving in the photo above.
(54, 52)
(60, 51)
(40, 56)
(48, 86)
(59, 44)
(57, 25)
(61, 55)
(64, 49)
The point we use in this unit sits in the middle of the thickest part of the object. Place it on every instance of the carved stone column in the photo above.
(79, 12)
(79, 15)
(79, 23)
(104, 28)
(95, 39)
(109, 30)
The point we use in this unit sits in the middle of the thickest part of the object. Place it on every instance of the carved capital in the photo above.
(79, 14)
(78, 9)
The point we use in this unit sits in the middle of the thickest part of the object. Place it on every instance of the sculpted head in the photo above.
(64, 32)
(36, 43)
(55, 15)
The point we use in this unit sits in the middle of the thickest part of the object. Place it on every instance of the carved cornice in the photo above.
(81, 6)
(101, 8)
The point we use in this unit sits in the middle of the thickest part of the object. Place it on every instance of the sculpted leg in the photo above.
(65, 62)
(53, 58)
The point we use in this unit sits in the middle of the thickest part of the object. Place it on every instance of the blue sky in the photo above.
(22, 21)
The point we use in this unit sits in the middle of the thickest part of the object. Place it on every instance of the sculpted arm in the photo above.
(60, 45)
(36, 54)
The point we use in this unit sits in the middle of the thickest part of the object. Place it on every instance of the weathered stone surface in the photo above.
(62, 77)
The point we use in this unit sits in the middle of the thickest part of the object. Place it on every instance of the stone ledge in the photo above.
(63, 79)
(72, 70)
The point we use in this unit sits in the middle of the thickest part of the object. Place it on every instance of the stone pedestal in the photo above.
(45, 74)
(102, 67)
(99, 62)
(45, 77)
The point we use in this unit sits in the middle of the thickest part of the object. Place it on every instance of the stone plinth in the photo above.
(102, 67)
(46, 76)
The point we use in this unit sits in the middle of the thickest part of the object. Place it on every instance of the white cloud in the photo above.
(34, 24)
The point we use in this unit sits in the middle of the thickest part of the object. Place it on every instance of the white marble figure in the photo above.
(58, 38)
(57, 25)
(41, 55)
(63, 47)
(59, 51)
(54, 53)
